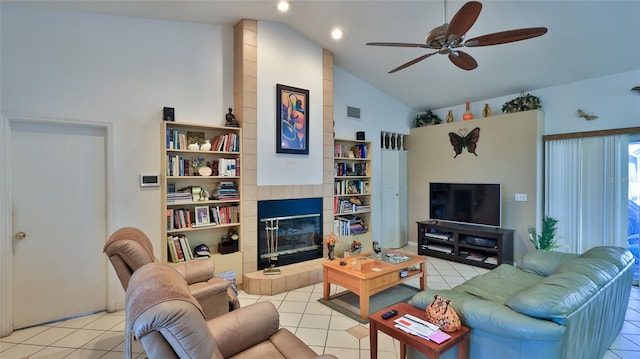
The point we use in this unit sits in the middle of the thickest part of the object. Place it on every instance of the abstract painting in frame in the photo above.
(292, 113)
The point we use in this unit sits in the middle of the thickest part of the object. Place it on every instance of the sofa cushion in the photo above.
(543, 262)
(600, 271)
(554, 297)
(619, 256)
(499, 284)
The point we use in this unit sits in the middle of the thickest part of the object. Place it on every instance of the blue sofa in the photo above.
(554, 305)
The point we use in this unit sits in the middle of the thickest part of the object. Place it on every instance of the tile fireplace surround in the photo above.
(246, 110)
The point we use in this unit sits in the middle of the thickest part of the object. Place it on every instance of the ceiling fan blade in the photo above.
(412, 62)
(463, 60)
(397, 44)
(463, 20)
(504, 37)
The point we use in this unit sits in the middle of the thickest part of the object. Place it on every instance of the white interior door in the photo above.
(59, 202)
(393, 233)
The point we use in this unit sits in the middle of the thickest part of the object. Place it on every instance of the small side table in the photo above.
(431, 349)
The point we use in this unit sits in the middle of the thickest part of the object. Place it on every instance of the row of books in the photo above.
(349, 169)
(225, 215)
(226, 143)
(179, 197)
(341, 206)
(226, 191)
(348, 225)
(179, 218)
(180, 166)
(353, 186)
(345, 151)
(180, 140)
(179, 248)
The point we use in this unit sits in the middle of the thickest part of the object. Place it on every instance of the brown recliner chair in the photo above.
(169, 323)
(129, 249)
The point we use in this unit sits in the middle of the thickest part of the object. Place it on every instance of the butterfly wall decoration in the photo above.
(585, 116)
(462, 140)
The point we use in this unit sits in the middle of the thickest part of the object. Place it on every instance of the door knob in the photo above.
(20, 235)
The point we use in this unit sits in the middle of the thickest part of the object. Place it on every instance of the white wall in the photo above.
(378, 113)
(609, 97)
(287, 58)
(119, 70)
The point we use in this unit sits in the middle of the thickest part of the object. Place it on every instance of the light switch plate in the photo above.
(521, 197)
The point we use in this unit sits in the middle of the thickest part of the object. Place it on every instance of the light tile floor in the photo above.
(326, 331)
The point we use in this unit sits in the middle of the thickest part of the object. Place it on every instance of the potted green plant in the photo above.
(546, 239)
(522, 103)
(427, 118)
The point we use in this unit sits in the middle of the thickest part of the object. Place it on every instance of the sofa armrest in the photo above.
(196, 271)
(243, 328)
(494, 318)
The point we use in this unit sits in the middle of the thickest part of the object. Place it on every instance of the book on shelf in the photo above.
(177, 197)
(225, 215)
(229, 142)
(350, 186)
(349, 169)
(342, 206)
(348, 225)
(176, 139)
(179, 248)
(226, 190)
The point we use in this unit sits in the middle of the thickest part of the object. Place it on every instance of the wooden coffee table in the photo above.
(374, 275)
(460, 337)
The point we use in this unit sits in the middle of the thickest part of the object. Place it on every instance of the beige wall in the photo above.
(509, 152)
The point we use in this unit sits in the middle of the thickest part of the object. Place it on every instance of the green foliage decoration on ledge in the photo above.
(522, 103)
(427, 118)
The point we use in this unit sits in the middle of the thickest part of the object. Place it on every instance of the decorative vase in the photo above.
(206, 146)
(467, 113)
(486, 111)
(193, 147)
(331, 249)
(450, 116)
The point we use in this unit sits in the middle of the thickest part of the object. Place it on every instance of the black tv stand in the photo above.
(479, 246)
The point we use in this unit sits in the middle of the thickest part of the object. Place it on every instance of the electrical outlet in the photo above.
(521, 197)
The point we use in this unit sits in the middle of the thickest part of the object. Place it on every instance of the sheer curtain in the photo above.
(586, 190)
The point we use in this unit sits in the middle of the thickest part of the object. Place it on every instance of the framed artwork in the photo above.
(292, 117)
(202, 215)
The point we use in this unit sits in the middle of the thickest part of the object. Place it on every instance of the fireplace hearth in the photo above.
(289, 231)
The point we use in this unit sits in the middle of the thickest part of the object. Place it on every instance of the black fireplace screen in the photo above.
(285, 237)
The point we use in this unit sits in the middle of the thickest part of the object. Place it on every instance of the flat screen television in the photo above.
(469, 203)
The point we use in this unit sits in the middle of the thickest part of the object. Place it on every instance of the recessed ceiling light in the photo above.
(336, 34)
(283, 6)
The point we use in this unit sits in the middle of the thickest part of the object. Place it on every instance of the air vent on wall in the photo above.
(353, 112)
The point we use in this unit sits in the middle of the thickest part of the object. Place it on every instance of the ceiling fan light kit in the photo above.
(446, 39)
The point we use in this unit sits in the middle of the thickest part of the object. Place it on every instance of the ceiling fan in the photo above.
(447, 38)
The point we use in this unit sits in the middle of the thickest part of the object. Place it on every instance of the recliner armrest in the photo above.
(196, 271)
(243, 328)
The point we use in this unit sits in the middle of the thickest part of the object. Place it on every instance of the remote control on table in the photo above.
(389, 314)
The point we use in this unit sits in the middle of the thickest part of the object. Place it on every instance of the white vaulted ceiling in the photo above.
(586, 39)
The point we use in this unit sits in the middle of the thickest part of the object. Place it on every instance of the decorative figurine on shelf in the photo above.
(467, 115)
(449, 116)
(377, 248)
(486, 111)
(230, 119)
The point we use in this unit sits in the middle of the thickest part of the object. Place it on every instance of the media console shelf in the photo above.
(478, 246)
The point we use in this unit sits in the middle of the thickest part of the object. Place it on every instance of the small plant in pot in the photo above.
(546, 239)
(427, 118)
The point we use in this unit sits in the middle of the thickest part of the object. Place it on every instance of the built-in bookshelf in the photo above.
(200, 182)
(352, 189)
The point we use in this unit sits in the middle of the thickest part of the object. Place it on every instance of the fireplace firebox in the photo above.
(289, 231)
